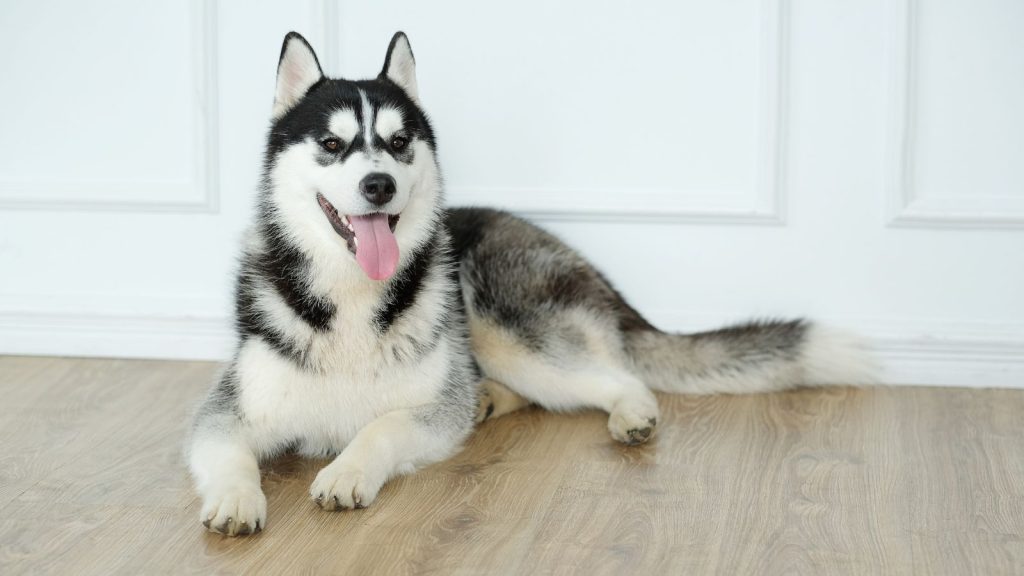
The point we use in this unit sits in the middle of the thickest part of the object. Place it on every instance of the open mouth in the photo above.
(370, 237)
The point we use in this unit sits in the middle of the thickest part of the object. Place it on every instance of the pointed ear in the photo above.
(297, 71)
(400, 66)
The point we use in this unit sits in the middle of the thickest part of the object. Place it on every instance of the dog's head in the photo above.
(351, 164)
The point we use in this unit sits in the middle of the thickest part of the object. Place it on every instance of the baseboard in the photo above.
(116, 336)
(952, 361)
(911, 353)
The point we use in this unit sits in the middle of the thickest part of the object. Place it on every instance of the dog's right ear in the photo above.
(297, 71)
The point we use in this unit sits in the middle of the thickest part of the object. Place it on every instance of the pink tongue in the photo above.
(376, 248)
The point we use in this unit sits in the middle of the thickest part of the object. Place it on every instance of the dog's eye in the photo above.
(331, 144)
(398, 143)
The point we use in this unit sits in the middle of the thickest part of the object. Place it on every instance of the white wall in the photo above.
(858, 162)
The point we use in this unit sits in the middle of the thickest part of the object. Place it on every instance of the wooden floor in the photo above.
(894, 481)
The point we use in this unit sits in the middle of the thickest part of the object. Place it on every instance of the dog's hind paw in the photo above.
(486, 406)
(633, 421)
(496, 399)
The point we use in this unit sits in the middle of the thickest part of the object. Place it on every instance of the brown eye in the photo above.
(331, 144)
(398, 143)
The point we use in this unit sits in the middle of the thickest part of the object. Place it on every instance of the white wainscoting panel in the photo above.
(630, 130)
(117, 118)
(956, 156)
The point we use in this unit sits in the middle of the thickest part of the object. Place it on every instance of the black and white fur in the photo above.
(484, 313)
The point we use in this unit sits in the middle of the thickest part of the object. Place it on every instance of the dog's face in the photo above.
(349, 159)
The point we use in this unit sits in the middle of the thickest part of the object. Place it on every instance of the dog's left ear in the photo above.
(400, 66)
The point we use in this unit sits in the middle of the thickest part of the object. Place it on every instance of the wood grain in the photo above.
(838, 481)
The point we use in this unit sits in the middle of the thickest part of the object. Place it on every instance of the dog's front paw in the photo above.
(234, 510)
(342, 487)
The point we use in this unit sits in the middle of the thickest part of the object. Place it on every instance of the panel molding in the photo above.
(328, 12)
(763, 204)
(918, 352)
(201, 194)
(905, 206)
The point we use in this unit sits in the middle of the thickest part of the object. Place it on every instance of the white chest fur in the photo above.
(320, 412)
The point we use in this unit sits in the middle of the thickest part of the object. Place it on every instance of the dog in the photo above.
(377, 327)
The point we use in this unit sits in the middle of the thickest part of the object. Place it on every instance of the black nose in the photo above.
(378, 188)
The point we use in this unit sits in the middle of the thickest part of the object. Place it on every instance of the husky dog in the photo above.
(377, 327)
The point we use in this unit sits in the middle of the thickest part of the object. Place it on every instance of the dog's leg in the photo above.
(497, 400)
(632, 408)
(396, 443)
(227, 478)
(579, 364)
(224, 466)
(573, 379)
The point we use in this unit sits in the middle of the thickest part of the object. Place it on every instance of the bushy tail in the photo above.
(760, 356)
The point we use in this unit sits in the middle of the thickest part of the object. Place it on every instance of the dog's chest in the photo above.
(321, 411)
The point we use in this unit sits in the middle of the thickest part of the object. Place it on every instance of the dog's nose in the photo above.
(378, 188)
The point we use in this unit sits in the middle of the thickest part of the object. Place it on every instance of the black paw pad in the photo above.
(639, 435)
